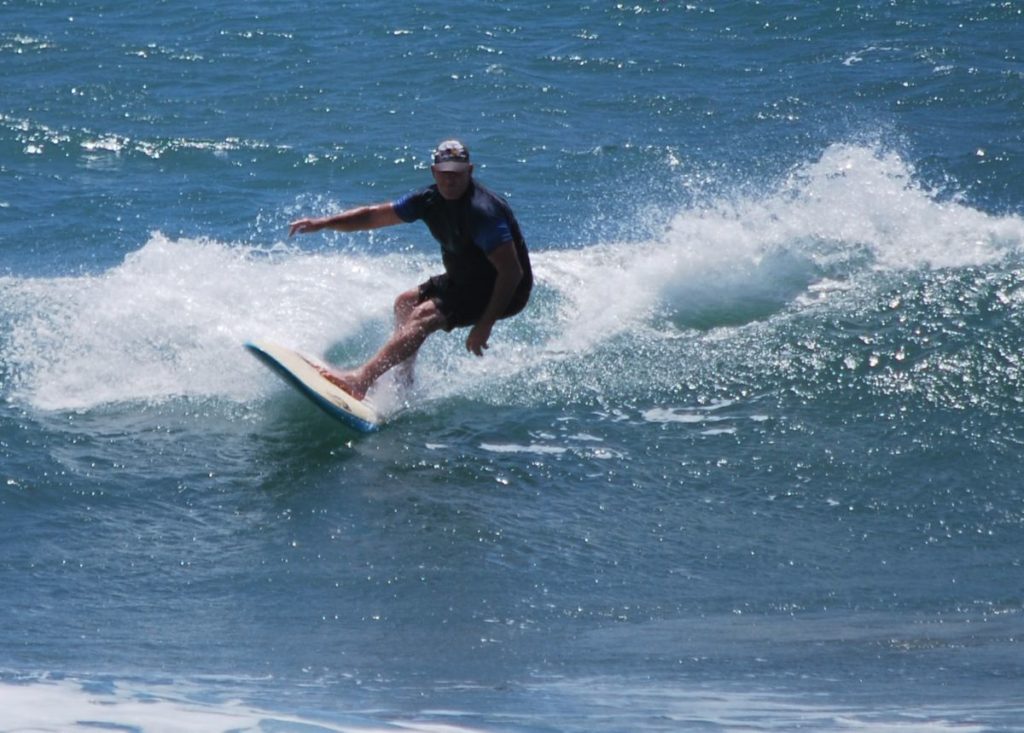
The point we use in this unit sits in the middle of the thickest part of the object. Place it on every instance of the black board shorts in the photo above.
(462, 306)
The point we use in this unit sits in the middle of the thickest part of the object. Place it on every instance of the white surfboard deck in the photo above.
(307, 375)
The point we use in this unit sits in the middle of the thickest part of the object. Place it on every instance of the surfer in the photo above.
(487, 273)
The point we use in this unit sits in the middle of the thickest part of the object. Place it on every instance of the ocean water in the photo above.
(750, 461)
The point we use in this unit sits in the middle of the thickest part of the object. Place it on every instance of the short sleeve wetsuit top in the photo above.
(468, 229)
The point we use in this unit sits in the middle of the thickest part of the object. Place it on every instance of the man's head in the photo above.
(451, 156)
(452, 169)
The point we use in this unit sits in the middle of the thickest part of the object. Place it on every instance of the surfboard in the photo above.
(308, 376)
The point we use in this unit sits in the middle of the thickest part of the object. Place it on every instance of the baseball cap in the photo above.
(451, 155)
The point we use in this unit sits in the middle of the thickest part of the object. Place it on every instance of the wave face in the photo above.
(733, 286)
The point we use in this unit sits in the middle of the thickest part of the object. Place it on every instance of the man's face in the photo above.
(452, 184)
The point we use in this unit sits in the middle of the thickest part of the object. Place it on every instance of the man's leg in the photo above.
(405, 304)
(412, 327)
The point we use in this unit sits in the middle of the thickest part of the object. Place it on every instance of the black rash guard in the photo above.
(469, 229)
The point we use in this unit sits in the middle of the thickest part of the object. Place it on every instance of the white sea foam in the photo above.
(681, 707)
(533, 448)
(70, 705)
(171, 319)
(73, 705)
(854, 211)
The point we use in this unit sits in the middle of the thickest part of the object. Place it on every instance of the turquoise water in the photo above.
(749, 461)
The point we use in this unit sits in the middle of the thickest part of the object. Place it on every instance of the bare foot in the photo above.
(344, 381)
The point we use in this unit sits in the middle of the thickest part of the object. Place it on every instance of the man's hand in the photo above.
(305, 226)
(510, 272)
(477, 339)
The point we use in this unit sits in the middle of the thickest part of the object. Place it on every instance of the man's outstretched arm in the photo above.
(351, 220)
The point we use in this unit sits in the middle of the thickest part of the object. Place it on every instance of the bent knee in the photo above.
(427, 317)
(406, 302)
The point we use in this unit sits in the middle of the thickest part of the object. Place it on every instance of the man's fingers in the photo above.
(301, 226)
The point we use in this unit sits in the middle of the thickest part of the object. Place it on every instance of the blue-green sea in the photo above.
(752, 460)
